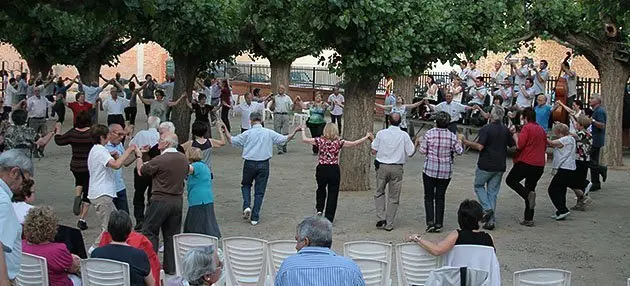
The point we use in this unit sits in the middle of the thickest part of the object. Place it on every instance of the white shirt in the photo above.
(522, 101)
(336, 110)
(215, 91)
(392, 146)
(10, 232)
(507, 99)
(498, 76)
(572, 83)
(36, 106)
(518, 79)
(470, 81)
(21, 210)
(247, 109)
(117, 106)
(9, 94)
(475, 91)
(564, 158)
(541, 86)
(102, 180)
(148, 137)
(454, 109)
(283, 103)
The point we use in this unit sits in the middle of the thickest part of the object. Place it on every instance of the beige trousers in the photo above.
(387, 203)
(104, 206)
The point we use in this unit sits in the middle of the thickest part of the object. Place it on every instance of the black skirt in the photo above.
(201, 219)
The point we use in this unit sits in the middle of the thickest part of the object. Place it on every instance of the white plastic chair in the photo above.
(246, 260)
(301, 117)
(414, 264)
(33, 271)
(374, 271)
(542, 276)
(101, 272)
(267, 111)
(183, 242)
(475, 256)
(451, 276)
(371, 250)
(277, 252)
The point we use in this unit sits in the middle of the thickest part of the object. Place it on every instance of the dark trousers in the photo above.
(61, 113)
(147, 109)
(336, 119)
(141, 184)
(130, 114)
(581, 170)
(386, 120)
(94, 115)
(6, 111)
(254, 171)
(116, 119)
(120, 201)
(434, 197)
(225, 111)
(317, 129)
(596, 168)
(558, 189)
(531, 174)
(50, 98)
(165, 216)
(327, 176)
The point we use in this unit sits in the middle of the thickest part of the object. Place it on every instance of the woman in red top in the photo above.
(78, 105)
(327, 172)
(226, 103)
(529, 162)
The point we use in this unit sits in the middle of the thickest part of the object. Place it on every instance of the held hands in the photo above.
(370, 136)
(412, 238)
(57, 128)
(460, 137)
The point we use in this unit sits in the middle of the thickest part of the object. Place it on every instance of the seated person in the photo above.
(139, 241)
(119, 227)
(468, 216)
(40, 227)
(23, 199)
(506, 92)
(478, 92)
(201, 266)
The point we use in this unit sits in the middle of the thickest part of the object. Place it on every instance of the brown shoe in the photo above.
(528, 223)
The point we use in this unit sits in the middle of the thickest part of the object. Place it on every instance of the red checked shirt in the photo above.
(438, 145)
(328, 150)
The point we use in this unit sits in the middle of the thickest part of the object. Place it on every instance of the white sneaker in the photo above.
(588, 188)
(89, 253)
(247, 213)
(161, 249)
(561, 216)
(254, 222)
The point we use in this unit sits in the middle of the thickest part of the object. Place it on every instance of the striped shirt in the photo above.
(81, 142)
(438, 145)
(318, 266)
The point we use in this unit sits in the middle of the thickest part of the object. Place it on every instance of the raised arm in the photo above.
(368, 136)
(381, 106)
(413, 105)
(103, 78)
(301, 102)
(145, 101)
(119, 162)
(306, 139)
(176, 102)
(221, 142)
(524, 91)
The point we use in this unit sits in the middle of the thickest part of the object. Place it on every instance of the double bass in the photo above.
(561, 92)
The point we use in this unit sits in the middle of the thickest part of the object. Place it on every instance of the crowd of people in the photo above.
(164, 169)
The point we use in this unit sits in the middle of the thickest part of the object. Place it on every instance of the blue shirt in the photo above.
(10, 232)
(257, 142)
(599, 134)
(200, 185)
(318, 266)
(118, 174)
(543, 112)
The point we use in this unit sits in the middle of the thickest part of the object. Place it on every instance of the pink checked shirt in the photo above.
(438, 145)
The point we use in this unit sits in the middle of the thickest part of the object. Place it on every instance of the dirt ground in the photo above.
(592, 244)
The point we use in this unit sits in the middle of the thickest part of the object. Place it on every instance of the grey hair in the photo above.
(496, 114)
(16, 158)
(317, 229)
(197, 263)
(154, 122)
(168, 125)
(172, 140)
(561, 128)
(596, 96)
(111, 126)
(442, 119)
(255, 116)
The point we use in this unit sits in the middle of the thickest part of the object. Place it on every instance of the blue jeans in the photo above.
(254, 171)
(120, 201)
(487, 185)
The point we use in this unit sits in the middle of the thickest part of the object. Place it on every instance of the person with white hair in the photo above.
(598, 124)
(563, 169)
(201, 266)
(15, 169)
(315, 263)
(145, 139)
(494, 139)
(168, 172)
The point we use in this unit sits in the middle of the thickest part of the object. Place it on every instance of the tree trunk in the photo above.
(37, 65)
(185, 72)
(613, 76)
(90, 71)
(405, 86)
(356, 162)
(280, 74)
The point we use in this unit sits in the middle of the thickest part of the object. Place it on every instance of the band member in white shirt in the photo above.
(571, 77)
(506, 92)
(473, 74)
(526, 93)
(541, 77)
(497, 76)
(520, 73)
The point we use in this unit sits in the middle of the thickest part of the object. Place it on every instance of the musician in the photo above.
(498, 76)
(473, 74)
(432, 91)
(453, 108)
(520, 74)
(463, 74)
(541, 77)
(506, 92)
(525, 94)
(478, 92)
(456, 89)
(571, 77)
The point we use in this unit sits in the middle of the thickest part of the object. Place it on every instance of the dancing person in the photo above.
(529, 162)
(246, 108)
(543, 112)
(401, 108)
(315, 263)
(119, 226)
(10, 94)
(115, 147)
(168, 172)
(92, 92)
(563, 168)
(327, 173)
(40, 228)
(150, 85)
(131, 111)
(438, 145)
(168, 87)
(391, 146)
(226, 103)
(22, 137)
(494, 139)
(102, 186)
(200, 217)
(15, 169)
(390, 100)
(574, 113)
(200, 266)
(453, 108)
(281, 104)
(316, 120)
(78, 106)
(257, 144)
(115, 105)
(202, 110)
(469, 215)
(80, 140)
(37, 107)
(525, 94)
(598, 125)
(205, 144)
(159, 105)
(337, 102)
(583, 140)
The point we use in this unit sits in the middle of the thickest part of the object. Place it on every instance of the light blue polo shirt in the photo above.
(118, 174)
(10, 232)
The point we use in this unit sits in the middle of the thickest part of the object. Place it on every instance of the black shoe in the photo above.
(488, 226)
(381, 223)
(436, 229)
(595, 188)
(430, 228)
(82, 225)
(487, 215)
(604, 173)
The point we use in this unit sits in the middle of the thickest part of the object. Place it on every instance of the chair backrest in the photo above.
(374, 271)
(452, 276)
(183, 242)
(371, 250)
(277, 252)
(33, 271)
(475, 256)
(104, 272)
(542, 276)
(246, 260)
(414, 264)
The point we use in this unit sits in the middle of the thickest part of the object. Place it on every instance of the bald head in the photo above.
(167, 140)
(394, 119)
